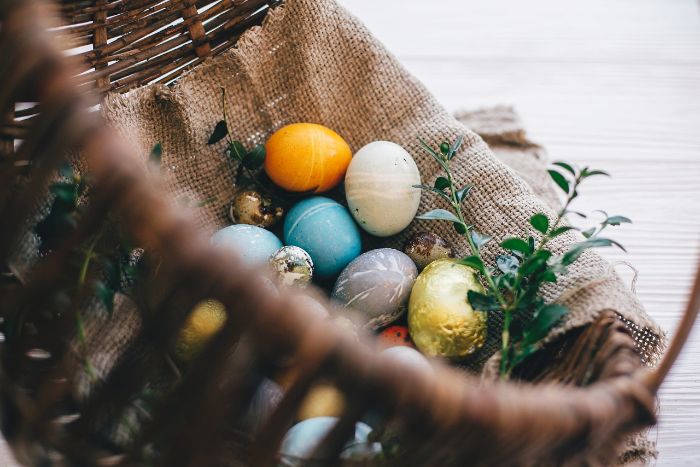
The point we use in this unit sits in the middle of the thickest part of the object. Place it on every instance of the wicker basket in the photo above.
(592, 390)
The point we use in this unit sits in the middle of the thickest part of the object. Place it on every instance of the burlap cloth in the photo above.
(313, 62)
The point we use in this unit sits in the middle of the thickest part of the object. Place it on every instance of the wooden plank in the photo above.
(613, 84)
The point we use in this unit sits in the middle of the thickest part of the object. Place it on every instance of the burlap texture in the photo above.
(313, 62)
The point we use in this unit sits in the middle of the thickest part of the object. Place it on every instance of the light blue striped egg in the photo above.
(326, 230)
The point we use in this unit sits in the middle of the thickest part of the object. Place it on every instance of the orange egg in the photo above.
(305, 157)
(396, 336)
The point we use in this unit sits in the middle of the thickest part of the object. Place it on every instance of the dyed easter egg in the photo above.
(266, 399)
(379, 188)
(407, 356)
(250, 207)
(254, 245)
(293, 266)
(205, 320)
(378, 284)
(425, 247)
(301, 440)
(322, 400)
(396, 336)
(326, 231)
(441, 321)
(306, 157)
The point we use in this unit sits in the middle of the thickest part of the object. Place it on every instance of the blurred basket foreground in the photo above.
(310, 62)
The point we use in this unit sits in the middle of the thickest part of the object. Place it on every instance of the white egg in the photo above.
(379, 188)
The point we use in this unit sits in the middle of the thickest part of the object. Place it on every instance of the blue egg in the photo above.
(302, 439)
(326, 230)
(253, 244)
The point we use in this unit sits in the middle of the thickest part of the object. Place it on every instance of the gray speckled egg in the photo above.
(425, 247)
(377, 283)
(250, 207)
(293, 266)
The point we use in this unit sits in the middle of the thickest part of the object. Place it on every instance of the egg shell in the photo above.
(322, 400)
(326, 231)
(407, 356)
(265, 400)
(254, 245)
(293, 266)
(378, 284)
(301, 441)
(425, 247)
(396, 336)
(441, 321)
(250, 207)
(379, 188)
(306, 156)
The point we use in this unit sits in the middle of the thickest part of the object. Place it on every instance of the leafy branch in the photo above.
(513, 287)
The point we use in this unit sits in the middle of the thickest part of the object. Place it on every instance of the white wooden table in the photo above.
(611, 83)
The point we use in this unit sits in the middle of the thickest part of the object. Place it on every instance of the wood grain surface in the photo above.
(610, 83)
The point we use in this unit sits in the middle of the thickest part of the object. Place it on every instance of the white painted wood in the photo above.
(611, 83)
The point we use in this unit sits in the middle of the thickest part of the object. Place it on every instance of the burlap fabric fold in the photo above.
(312, 61)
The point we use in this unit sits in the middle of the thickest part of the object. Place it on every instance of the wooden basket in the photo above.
(591, 390)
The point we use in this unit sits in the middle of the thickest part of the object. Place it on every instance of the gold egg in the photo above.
(440, 320)
(323, 400)
(207, 318)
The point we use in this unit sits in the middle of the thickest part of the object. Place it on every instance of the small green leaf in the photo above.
(543, 321)
(237, 151)
(508, 264)
(578, 213)
(482, 302)
(105, 294)
(589, 232)
(460, 228)
(479, 239)
(438, 158)
(566, 167)
(560, 230)
(617, 220)
(473, 262)
(560, 180)
(585, 173)
(441, 183)
(445, 148)
(463, 193)
(540, 222)
(455, 147)
(219, 133)
(255, 158)
(156, 154)
(516, 244)
(439, 215)
(549, 276)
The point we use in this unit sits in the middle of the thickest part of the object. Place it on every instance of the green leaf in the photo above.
(156, 154)
(473, 262)
(441, 183)
(535, 262)
(542, 322)
(434, 190)
(219, 133)
(435, 155)
(479, 239)
(585, 173)
(549, 276)
(516, 244)
(508, 264)
(540, 222)
(445, 148)
(482, 302)
(566, 167)
(455, 147)
(617, 220)
(65, 170)
(589, 232)
(460, 228)
(105, 294)
(463, 193)
(560, 180)
(578, 213)
(439, 215)
(255, 158)
(577, 249)
(560, 230)
(237, 151)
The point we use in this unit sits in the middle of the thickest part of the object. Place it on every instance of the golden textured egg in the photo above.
(207, 318)
(323, 400)
(441, 321)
